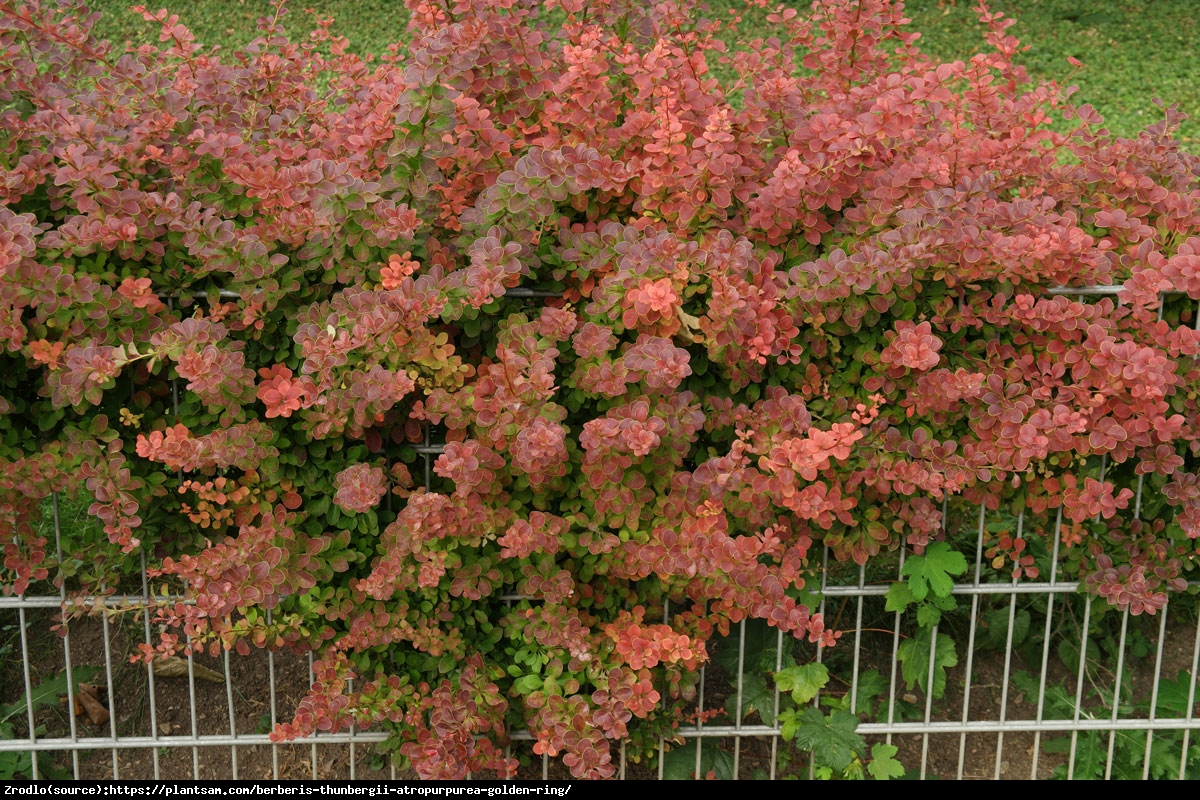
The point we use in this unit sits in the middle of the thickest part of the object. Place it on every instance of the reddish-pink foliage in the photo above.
(807, 308)
(359, 488)
(282, 395)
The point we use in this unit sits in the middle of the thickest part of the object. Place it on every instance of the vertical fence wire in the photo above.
(113, 710)
(1044, 670)
(66, 644)
(970, 670)
(33, 753)
(1116, 696)
(896, 720)
(1158, 657)
(114, 743)
(152, 693)
(1008, 652)
(1079, 682)
(893, 685)
(1191, 700)
(272, 704)
(194, 715)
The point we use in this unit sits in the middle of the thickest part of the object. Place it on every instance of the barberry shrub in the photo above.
(271, 310)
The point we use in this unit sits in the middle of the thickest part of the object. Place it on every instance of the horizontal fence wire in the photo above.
(1011, 707)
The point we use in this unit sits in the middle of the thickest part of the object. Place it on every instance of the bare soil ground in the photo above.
(247, 695)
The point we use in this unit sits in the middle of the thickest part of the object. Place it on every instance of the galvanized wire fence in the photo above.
(188, 725)
(1045, 680)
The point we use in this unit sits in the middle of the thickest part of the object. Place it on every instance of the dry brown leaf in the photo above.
(176, 667)
(88, 701)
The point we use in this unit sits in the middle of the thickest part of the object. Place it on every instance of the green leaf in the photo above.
(832, 740)
(1173, 695)
(528, 684)
(13, 764)
(1068, 650)
(932, 571)
(789, 723)
(803, 681)
(47, 692)
(48, 420)
(1026, 684)
(928, 615)
(914, 657)
(871, 686)
(993, 628)
(929, 609)
(760, 637)
(755, 697)
(680, 763)
(899, 597)
(1164, 755)
(883, 764)
(1091, 754)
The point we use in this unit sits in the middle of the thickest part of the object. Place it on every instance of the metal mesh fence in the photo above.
(1042, 680)
(1014, 705)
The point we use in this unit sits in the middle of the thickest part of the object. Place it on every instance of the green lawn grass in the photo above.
(1133, 50)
